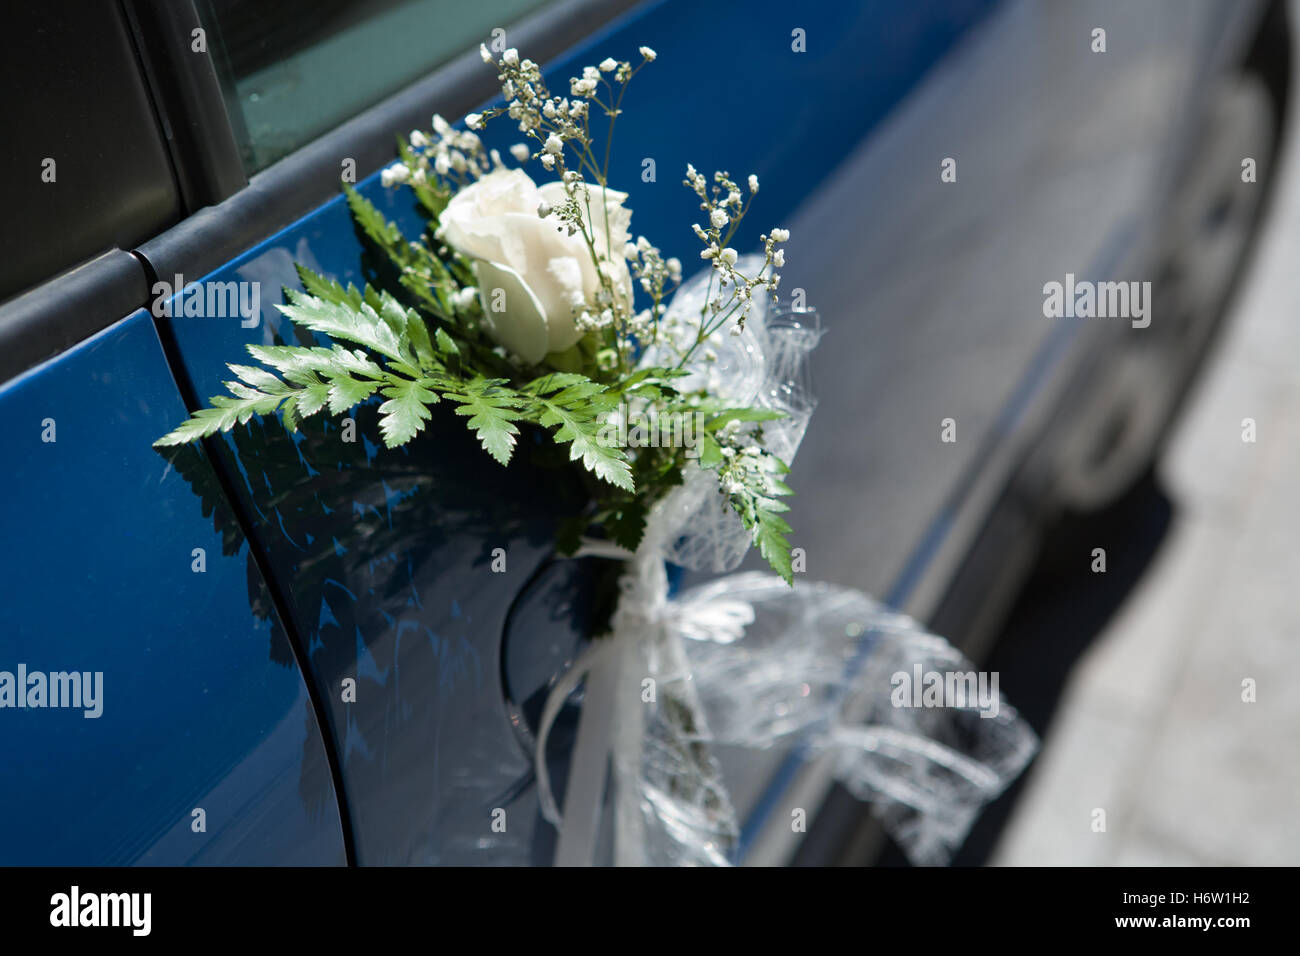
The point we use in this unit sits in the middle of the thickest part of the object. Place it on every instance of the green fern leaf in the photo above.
(405, 412)
(492, 410)
(582, 431)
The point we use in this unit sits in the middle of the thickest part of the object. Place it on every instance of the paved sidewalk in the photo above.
(1152, 727)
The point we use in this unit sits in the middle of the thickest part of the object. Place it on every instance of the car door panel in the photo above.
(129, 563)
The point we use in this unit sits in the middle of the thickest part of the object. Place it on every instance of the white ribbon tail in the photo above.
(585, 790)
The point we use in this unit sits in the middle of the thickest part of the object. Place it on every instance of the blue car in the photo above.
(309, 649)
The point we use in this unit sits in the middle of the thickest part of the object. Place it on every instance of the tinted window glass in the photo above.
(296, 69)
(83, 167)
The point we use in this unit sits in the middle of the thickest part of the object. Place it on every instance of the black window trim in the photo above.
(61, 312)
(188, 100)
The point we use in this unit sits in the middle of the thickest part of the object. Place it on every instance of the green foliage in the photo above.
(412, 370)
(757, 500)
(492, 408)
(405, 412)
(569, 403)
(412, 348)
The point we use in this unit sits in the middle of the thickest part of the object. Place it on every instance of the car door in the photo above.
(152, 710)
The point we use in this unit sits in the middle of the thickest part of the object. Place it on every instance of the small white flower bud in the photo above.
(780, 235)
(521, 152)
(464, 298)
(648, 53)
(394, 174)
(753, 183)
(608, 64)
(474, 120)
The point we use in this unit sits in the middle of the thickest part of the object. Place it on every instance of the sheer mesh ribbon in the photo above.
(747, 661)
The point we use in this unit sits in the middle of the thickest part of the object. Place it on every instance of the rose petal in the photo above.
(562, 331)
(522, 327)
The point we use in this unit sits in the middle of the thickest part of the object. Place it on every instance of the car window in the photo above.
(290, 71)
(84, 168)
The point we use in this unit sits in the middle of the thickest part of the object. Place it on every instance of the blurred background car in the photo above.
(307, 657)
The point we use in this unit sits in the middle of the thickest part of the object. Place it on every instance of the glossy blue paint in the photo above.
(793, 116)
(202, 705)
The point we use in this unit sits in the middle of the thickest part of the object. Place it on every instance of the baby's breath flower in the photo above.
(474, 120)
(753, 183)
(718, 217)
(397, 173)
(780, 235)
(648, 53)
(521, 152)
(608, 64)
(464, 298)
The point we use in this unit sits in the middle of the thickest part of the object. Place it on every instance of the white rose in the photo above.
(545, 273)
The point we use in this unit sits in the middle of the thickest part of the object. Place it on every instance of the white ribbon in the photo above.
(749, 662)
